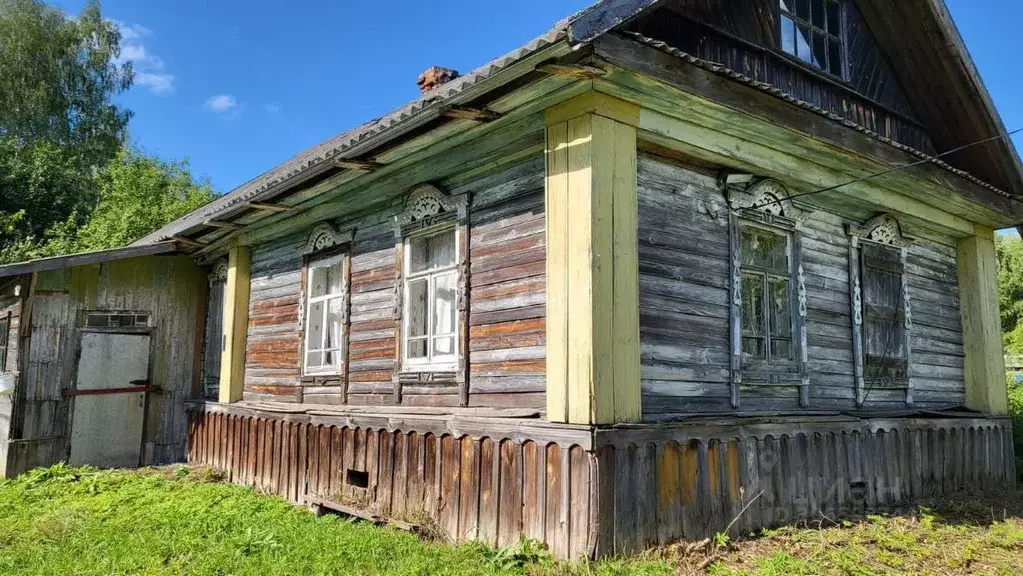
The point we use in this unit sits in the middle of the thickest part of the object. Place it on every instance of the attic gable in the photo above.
(905, 74)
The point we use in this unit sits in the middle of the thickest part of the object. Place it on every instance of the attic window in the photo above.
(811, 30)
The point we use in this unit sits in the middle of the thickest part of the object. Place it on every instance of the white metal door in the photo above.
(109, 402)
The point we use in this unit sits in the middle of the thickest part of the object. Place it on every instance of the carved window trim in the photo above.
(765, 203)
(882, 230)
(428, 210)
(326, 246)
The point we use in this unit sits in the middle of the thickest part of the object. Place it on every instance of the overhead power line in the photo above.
(927, 160)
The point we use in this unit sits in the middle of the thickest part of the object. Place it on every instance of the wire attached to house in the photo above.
(898, 168)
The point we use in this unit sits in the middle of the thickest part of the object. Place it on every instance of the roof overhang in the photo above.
(85, 258)
(257, 202)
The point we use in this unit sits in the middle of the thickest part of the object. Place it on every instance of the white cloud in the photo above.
(131, 53)
(158, 83)
(271, 108)
(221, 103)
(131, 31)
(148, 68)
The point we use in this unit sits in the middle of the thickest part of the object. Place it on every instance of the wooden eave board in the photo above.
(472, 146)
(789, 160)
(427, 111)
(678, 79)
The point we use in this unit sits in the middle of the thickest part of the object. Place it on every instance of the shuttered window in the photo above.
(325, 316)
(430, 328)
(884, 316)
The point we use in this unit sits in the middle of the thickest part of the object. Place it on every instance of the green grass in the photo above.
(62, 521)
(180, 520)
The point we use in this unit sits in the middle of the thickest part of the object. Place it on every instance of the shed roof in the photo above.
(85, 258)
(970, 117)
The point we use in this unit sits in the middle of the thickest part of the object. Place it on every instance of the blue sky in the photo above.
(238, 87)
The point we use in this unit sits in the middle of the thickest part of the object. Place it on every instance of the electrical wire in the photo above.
(927, 160)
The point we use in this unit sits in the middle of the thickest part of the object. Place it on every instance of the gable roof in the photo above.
(941, 79)
(943, 62)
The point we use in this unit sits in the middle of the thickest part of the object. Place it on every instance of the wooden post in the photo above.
(982, 336)
(593, 369)
(236, 324)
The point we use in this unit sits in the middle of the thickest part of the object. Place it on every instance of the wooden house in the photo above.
(673, 263)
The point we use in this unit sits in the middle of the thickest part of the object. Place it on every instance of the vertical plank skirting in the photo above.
(598, 492)
(690, 481)
(491, 488)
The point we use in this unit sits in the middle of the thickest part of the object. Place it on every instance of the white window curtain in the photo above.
(324, 315)
(431, 287)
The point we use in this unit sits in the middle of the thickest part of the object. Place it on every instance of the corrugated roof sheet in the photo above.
(305, 163)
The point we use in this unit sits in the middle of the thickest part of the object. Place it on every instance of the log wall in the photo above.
(506, 339)
(683, 279)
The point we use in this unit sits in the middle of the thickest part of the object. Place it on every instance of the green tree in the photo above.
(136, 195)
(57, 77)
(1010, 291)
(58, 123)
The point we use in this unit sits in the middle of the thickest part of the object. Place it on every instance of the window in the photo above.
(766, 294)
(768, 288)
(5, 328)
(325, 318)
(882, 318)
(811, 30)
(431, 289)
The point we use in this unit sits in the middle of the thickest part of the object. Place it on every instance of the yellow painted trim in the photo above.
(236, 324)
(628, 393)
(592, 271)
(982, 337)
(593, 102)
(556, 204)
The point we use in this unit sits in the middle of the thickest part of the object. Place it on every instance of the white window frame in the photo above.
(447, 362)
(310, 301)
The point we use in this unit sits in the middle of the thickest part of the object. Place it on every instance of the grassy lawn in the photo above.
(185, 521)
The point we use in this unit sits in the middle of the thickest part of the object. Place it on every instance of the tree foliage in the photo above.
(57, 78)
(58, 124)
(68, 183)
(1010, 291)
(136, 195)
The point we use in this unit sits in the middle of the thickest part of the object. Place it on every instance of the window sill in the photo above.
(323, 379)
(428, 375)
